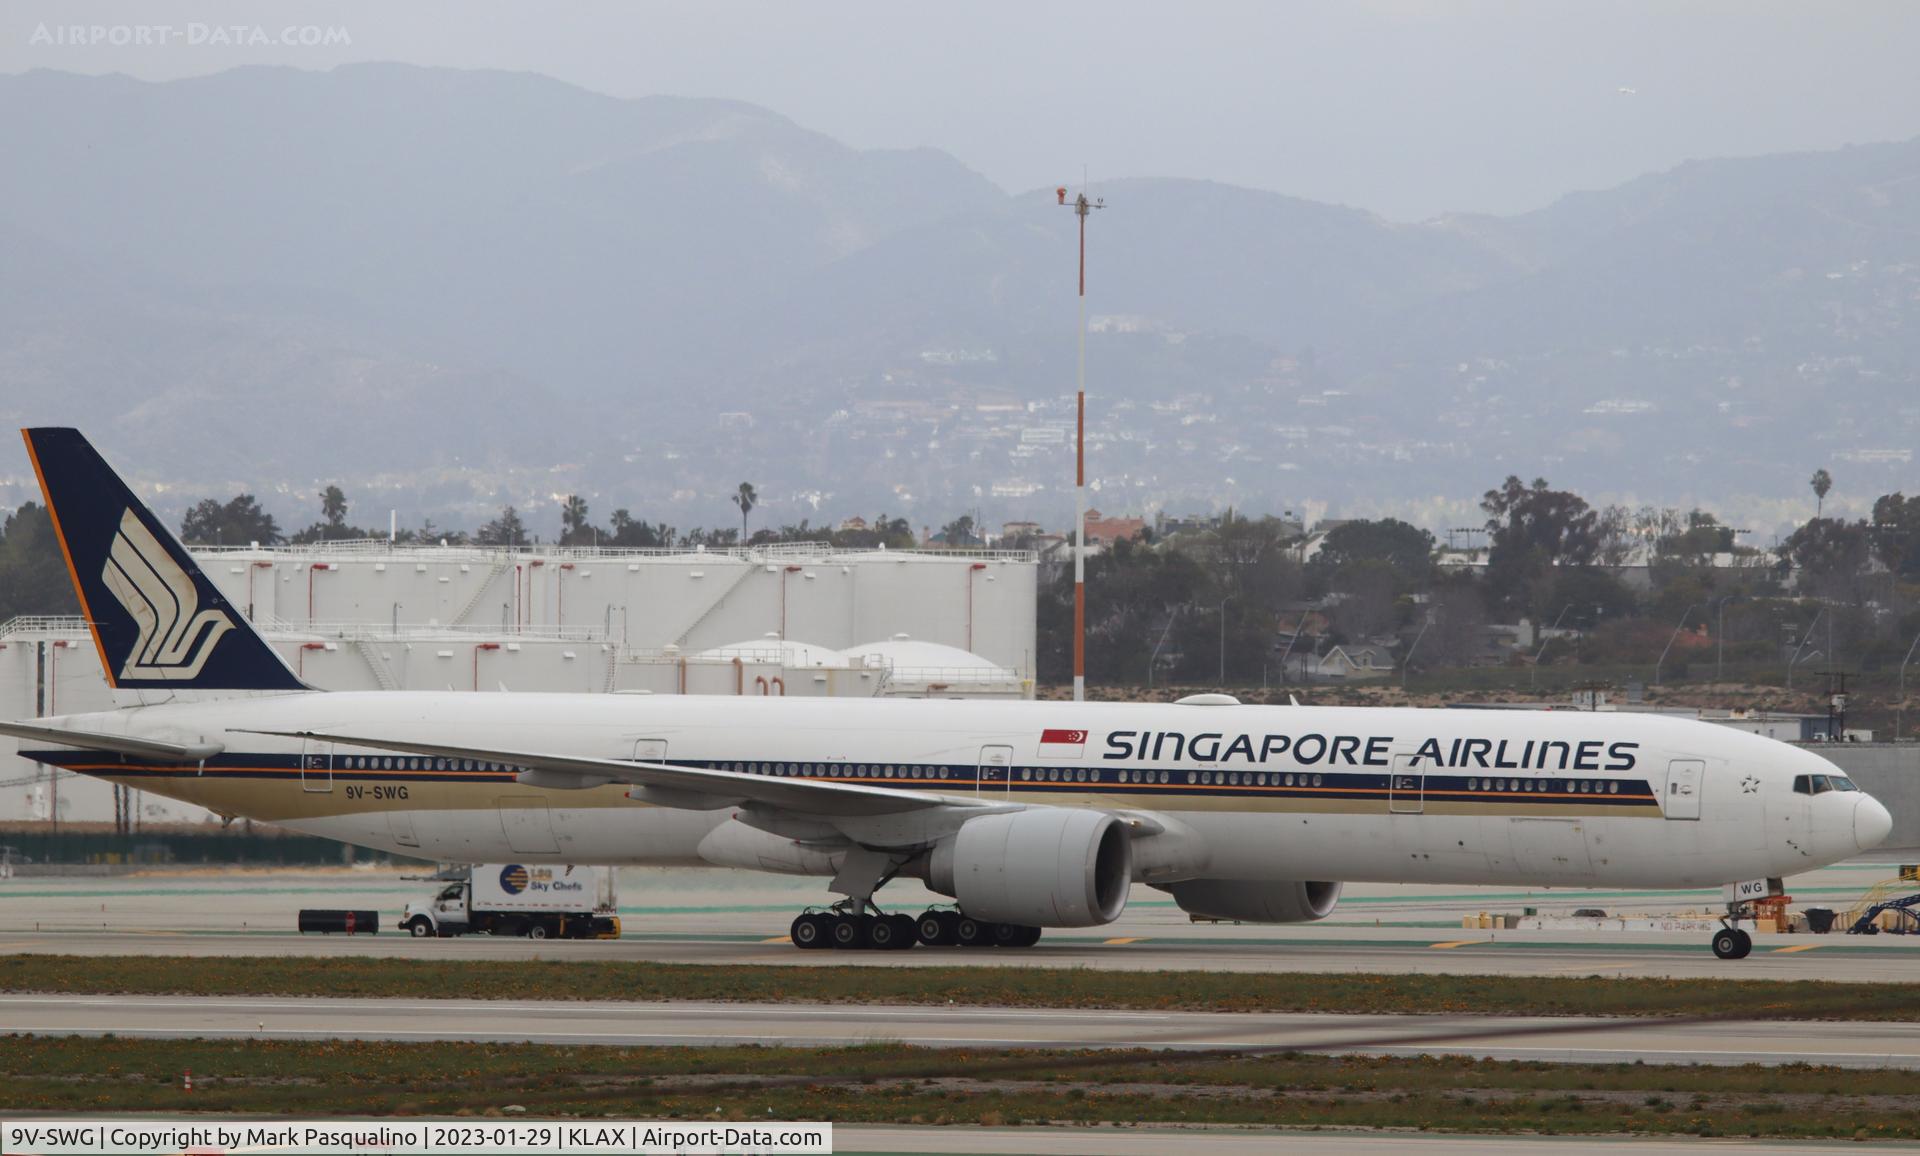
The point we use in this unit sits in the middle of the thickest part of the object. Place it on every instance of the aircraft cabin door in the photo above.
(995, 772)
(1406, 786)
(1685, 779)
(316, 766)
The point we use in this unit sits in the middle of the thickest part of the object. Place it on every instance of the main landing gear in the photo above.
(843, 927)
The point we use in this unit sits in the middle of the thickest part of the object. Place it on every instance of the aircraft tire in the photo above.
(882, 933)
(971, 932)
(1746, 944)
(1009, 934)
(1028, 937)
(809, 932)
(1726, 944)
(906, 932)
(935, 928)
(849, 932)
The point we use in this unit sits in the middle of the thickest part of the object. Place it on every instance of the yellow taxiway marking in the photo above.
(1455, 943)
(1125, 939)
(1797, 947)
(779, 939)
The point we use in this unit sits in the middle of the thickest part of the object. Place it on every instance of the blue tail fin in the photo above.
(159, 623)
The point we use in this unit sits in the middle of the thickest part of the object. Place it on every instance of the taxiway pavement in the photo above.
(690, 1023)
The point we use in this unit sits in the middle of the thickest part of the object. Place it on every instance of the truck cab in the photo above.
(444, 914)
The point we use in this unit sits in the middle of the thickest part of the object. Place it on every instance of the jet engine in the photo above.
(1255, 901)
(1043, 867)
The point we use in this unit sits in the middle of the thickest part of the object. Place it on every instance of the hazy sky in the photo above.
(1404, 107)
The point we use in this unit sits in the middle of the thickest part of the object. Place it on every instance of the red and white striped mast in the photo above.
(1082, 207)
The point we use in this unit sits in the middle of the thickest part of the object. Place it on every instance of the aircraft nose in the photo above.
(1872, 823)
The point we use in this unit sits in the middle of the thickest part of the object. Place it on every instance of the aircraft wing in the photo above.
(139, 748)
(694, 788)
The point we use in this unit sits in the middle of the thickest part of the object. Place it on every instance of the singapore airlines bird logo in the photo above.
(176, 636)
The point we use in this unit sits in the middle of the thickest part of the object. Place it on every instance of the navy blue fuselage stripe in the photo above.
(1304, 785)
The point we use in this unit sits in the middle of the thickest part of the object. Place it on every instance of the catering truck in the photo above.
(555, 901)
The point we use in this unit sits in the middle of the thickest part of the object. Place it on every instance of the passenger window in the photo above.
(1189, 776)
(1316, 780)
(1473, 784)
(1613, 788)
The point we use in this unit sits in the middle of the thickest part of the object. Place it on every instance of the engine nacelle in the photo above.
(1255, 901)
(1044, 867)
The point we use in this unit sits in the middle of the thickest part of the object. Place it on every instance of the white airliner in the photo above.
(1029, 814)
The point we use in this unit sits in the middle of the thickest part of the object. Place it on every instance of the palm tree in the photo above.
(574, 530)
(746, 499)
(1821, 483)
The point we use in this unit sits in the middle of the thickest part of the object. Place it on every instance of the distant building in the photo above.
(1106, 531)
(854, 523)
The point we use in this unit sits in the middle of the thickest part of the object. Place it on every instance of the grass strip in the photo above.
(362, 976)
(899, 1084)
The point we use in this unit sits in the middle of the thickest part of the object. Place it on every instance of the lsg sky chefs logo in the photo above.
(192, 35)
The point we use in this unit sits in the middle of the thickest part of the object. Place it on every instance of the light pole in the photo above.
(1670, 639)
(1900, 715)
(1720, 636)
(1154, 658)
(1407, 661)
(1804, 637)
(1082, 208)
(1532, 675)
(1223, 639)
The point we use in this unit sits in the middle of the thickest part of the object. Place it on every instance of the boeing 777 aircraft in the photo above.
(1029, 814)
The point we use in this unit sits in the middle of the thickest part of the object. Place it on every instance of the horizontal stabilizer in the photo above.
(113, 744)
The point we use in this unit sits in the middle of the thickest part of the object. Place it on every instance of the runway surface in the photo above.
(717, 917)
(1562, 1039)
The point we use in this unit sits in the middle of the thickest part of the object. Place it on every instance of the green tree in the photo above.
(505, 530)
(33, 574)
(629, 533)
(1896, 533)
(1406, 551)
(746, 497)
(1131, 592)
(1533, 529)
(238, 522)
(333, 508)
(332, 526)
(1822, 483)
(575, 530)
(960, 532)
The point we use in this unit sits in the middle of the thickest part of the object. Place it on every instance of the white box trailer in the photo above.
(541, 901)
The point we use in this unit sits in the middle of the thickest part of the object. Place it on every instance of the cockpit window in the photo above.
(1842, 783)
(1820, 785)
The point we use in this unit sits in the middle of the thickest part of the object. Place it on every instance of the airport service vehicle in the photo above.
(539, 901)
(1029, 814)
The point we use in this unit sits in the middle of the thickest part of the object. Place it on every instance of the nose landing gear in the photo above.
(1732, 943)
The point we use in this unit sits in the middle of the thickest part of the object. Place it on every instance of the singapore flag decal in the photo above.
(1062, 744)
